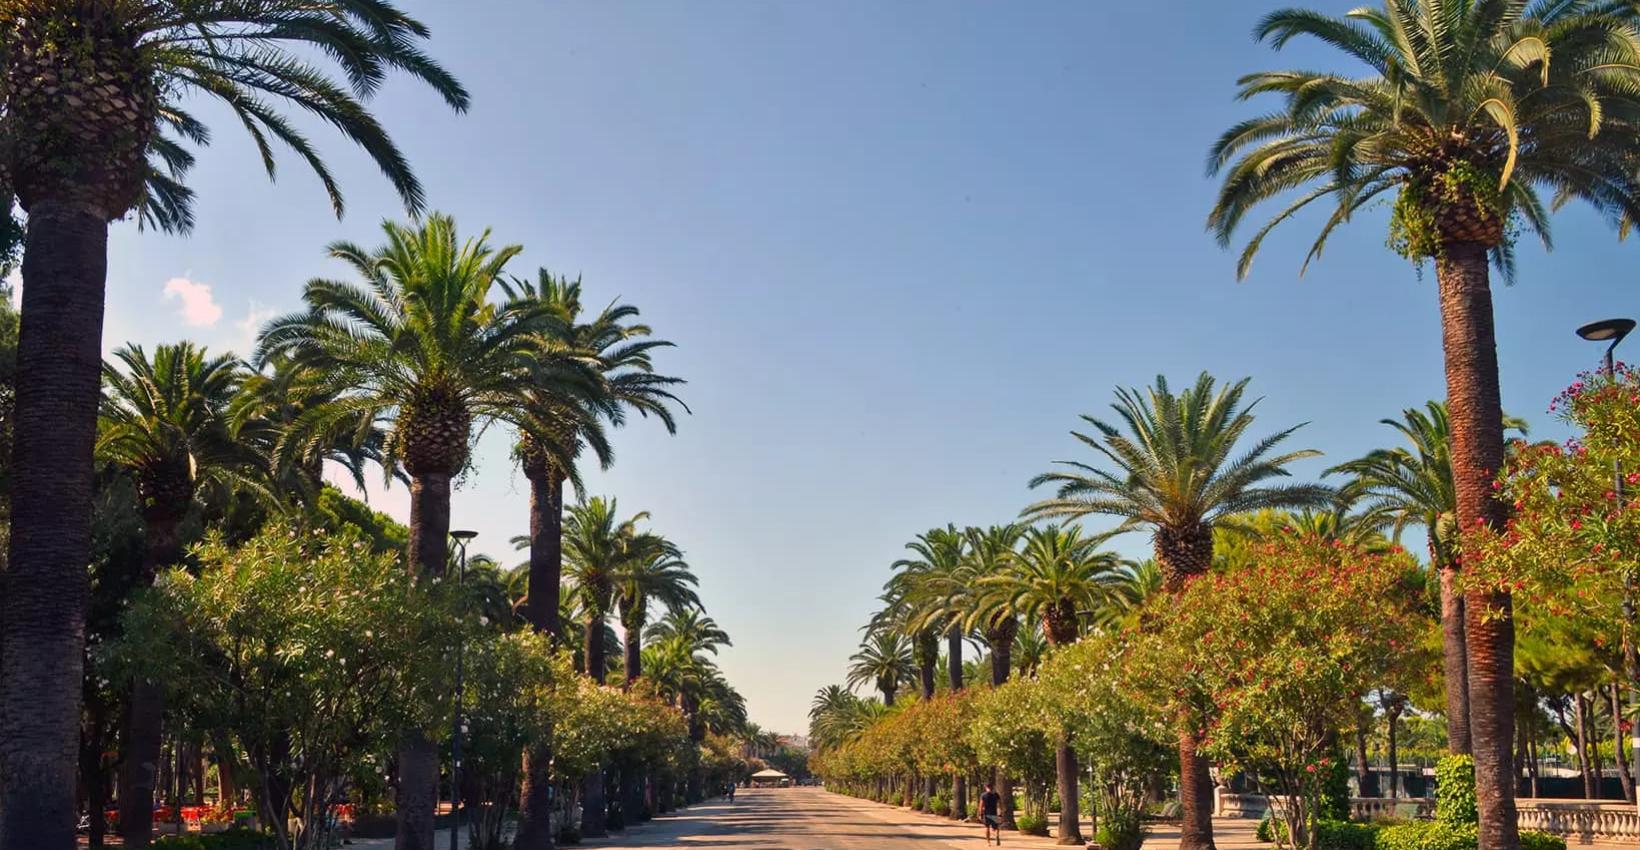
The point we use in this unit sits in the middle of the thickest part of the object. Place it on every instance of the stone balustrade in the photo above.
(1578, 820)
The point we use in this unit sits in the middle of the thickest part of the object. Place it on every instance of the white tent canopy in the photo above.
(769, 774)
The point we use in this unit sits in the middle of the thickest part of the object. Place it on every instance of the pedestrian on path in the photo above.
(989, 803)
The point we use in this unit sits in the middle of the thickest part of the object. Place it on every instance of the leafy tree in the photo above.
(309, 649)
(1467, 112)
(418, 343)
(165, 422)
(1176, 475)
(131, 67)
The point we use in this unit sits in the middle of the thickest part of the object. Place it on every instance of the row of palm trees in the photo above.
(400, 368)
(1171, 466)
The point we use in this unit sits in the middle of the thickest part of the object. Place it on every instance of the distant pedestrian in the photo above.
(990, 805)
(731, 792)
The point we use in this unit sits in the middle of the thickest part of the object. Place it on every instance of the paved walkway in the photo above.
(813, 819)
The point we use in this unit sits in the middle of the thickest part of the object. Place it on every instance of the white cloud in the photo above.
(198, 307)
(255, 318)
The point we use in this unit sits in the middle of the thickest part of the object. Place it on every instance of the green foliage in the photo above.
(1344, 835)
(1334, 804)
(1032, 824)
(1414, 229)
(296, 643)
(335, 511)
(1455, 802)
(1270, 828)
(1533, 840)
(940, 805)
(1428, 835)
(1467, 120)
(232, 839)
(1119, 830)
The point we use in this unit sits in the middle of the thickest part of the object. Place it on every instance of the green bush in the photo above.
(1436, 835)
(1455, 791)
(940, 805)
(1032, 824)
(232, 839)
(1119, 831)
(1270, 829)
(1345, 835)
(1541, 841)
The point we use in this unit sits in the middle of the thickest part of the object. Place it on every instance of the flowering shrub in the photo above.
(1572, 544)
(1269, 659)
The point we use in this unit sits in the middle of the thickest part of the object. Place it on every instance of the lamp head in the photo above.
(464, 536)
(1609, 330)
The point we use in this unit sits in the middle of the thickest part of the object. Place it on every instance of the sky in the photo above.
(901, 247)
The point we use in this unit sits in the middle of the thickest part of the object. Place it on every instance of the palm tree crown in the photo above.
(1060, 577)
(1468, 110)
(883, 661)
(1174, 470)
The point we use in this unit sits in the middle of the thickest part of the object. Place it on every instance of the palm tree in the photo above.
(691, 626)
(1136, 584)
(837, 717)
(658, 576)
(1467, 112)
(990, 552)
(883, 661)
(165, 421)
(418, 343)
(130, 66)
(1412, 485)
(1175, 475)
(936, 602)
(600, 548)
(271, 401)
(1058, 577)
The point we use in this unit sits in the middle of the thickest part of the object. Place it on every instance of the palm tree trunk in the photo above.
(928, 658)
(1580, 706)
(162, 550)
(594, 807)
(1000, 639)
(42, 599)
(1070, 828)
(541, 610)
(1474, 403)
(1195, 794)
(953, 671)
(1620, 746)
(1363, 773)
(1393, 715)
(417, 794)
(633, 644)
(1454, 662)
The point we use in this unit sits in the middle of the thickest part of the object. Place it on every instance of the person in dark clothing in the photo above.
(990, 804)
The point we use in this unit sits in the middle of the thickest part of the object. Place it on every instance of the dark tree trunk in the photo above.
(1585, 766)
(594, 807)
(44, 589)
(146, 710)
(928, 658)
(633, 645)
(953, 670)
(1195, 795)
(888, 697)
(541, 610)
(1620, 746)
(1454, 662)
(1475, 407)
(1182, 553)
(1070, 827)
(417, 793)
(1363, 772)
(1000, 639)
(93, 742)
(597, 652)
(1392, 713)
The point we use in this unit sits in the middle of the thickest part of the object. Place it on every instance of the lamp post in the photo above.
(461, 538)
(1614, 330)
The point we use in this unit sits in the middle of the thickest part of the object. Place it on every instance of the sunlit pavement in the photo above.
(812, 819)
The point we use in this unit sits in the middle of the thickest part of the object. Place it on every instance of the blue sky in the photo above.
(901, 247)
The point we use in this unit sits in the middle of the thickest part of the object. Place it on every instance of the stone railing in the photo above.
(1580, 820)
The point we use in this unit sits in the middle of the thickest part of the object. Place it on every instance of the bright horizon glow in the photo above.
(901, 247)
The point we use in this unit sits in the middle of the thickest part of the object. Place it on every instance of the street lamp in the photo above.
(461, 538)
(1615, 330)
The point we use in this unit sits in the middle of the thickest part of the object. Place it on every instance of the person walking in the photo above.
(990, 804)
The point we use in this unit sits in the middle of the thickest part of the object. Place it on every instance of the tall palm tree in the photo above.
(1412, 485)
(1468, 110)
(837, 717)
(270, 402)
(130, 66)
(1058, 577)
(1175, 474)
(417, 342)
(883, 661)
(935, 600)
(659, 576)
(990, 552)
(165, 421)
(600, 547)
